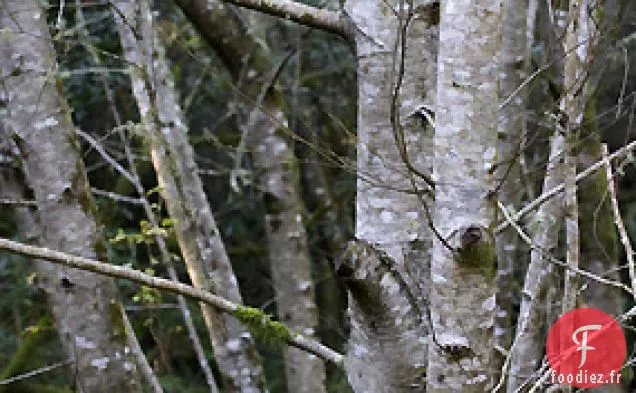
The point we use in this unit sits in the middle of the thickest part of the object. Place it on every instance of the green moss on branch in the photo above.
(262, 326)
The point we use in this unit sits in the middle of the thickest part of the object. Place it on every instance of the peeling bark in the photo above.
(84, 304)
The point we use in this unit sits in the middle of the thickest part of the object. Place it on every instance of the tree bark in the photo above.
(197, 234)
(462, 296)
(396, 47)
(84, 304)
(598, 243)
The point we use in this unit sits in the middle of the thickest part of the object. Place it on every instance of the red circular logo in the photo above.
(585, 348)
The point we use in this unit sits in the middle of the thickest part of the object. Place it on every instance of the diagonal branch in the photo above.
(224, 305)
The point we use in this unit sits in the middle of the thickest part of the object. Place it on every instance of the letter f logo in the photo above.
(583, 344)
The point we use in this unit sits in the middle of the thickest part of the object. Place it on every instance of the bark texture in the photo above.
(462, 295)
(198, 236)
(38, 120)
(387, 347)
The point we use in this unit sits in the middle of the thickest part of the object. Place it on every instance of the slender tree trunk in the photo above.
(263, 124)
(462, 294)
(526, 353)
(278, 173)
(598, 244)
(198, 236)
(84, 304)
(514, 57)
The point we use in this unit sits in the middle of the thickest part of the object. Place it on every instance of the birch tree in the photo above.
(85, 305)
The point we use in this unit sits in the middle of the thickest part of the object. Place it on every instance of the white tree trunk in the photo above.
(462, 297)
(84, 304)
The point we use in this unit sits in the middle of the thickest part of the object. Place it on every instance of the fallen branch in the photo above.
(61, 258)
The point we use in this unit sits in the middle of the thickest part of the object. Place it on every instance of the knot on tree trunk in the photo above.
(475, 249)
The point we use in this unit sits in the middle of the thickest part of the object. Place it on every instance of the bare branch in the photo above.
(554, 260)
(5, 201)
(224, 305)
(116, 197)
(331, 21)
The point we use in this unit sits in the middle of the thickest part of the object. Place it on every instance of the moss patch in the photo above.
(262, 326)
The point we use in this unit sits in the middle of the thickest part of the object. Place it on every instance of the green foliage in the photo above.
(147, 232)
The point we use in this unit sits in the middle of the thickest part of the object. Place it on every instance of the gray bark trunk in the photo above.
(278, 174)
(287, 247)
(387, 347)
(514, 56)
(84, 304)
(198, 236)
(462, 294)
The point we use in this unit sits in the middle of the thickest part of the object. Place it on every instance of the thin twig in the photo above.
(138, 353)
(116, 197)
(100, 149)
(551, 193)
(523, 85)
(4, 201)
(558, 262)
(35, 372)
